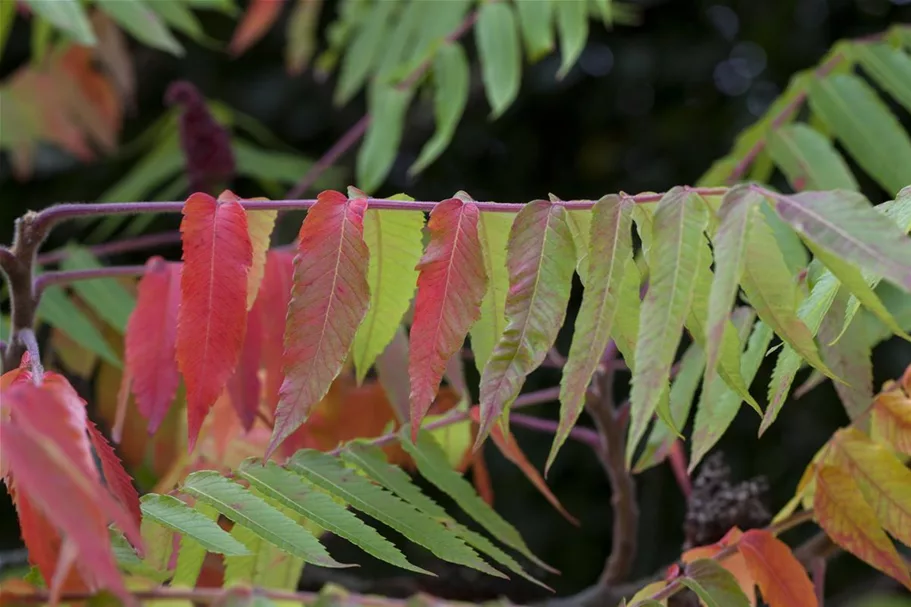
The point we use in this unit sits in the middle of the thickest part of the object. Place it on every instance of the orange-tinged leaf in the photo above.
(260, 225)
(780, 576)
(212, 320)
(883, 480)
(511, 451)
(735, 563)
(329, 299)
(151, 341)
(847, 518)
(260, 16)
(244, 386)
(451, 285)
(116, 478)
(891, 419)
(481, 477)
(274, 296)
(644, 594)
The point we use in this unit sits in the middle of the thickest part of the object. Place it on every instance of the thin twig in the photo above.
(586, 436)
(331, 156)
(47, 279)
(127, 245)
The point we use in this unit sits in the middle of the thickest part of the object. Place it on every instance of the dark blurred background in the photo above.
(646, 107)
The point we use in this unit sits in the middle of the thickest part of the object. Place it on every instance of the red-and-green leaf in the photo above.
(212, 321)
(891, 419)
(151, 341)
(673, 259)
(845, 224)
(844, 514)
(244, 387)
(850, 357)
(611, 244)
(116, 478)
(541, 259)
(782, 580)
(451, 286)
(394, 241)
(329, 299)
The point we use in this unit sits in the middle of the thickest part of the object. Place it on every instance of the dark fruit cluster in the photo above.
(716, 504)
(206, 144)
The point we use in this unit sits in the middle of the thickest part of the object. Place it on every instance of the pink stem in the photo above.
(66, 276)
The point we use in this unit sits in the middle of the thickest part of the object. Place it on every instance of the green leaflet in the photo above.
(400, 42)
(889, 67)
(433, 465)
(626, 321)
(850, 357)
(536, 21)
(612, 245)
(329, 474)
(500, 54)
(606, 10)
(263, 164)
(363, 53)
(301, 33)
(808, 160)
(105, 296)
(811, 311)
(372, 462)
(493, 231)
(191, 554)
(540, 258)
(394, 241)
(791, 246)
(172, 513)
(58, 311)
(715, 585)
(181, 18)
(737, 209)
(292, 492)
(718, 405)
(451, 78)
(248, 510)
(673, 261)
(898, 210)
(4, 328)
(68, 15)
(866, 127)
(846, 225)
(683, 390)
(773, 293)
(142, 23)
(388, 106)
(157, 166)
(265, 567)
(581, 224)
(572, 25)
(856, 283)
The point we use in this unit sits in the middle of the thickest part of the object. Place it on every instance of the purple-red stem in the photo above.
(586, 436)
(65, 276)
(332, 155)
(148, 241)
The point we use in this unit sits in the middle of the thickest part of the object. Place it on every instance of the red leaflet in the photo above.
(511, 451)
(274, 296)
(781, 578)
(212, 321)
(244, 385)
(260, 16)
(118, 481)
(329, 299)
(151, 340)
(451, 285)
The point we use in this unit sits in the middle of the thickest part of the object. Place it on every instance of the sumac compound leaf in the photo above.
(842, 511)
(212, 320)
(451, 285)
(679, 222)
(170, 512)
(541, 259)
(781, 578)
(151, 341)
(328, 302)
(612, 245)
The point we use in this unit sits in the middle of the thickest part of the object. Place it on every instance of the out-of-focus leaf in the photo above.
(493, 231)
(142, 23)
(301, 34)
(889, 67)
(181, 18)
(866, 127)
(363, 53)
(257, 20)
(536, 21)
(781, 578)
(809, 160)
(714, 584)
(850, 358)
(388, 107)
(106, 296)
(891, 419)
(68, 15)
(572, 25)
(58, 311)
(451, 79)
(497, 39)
